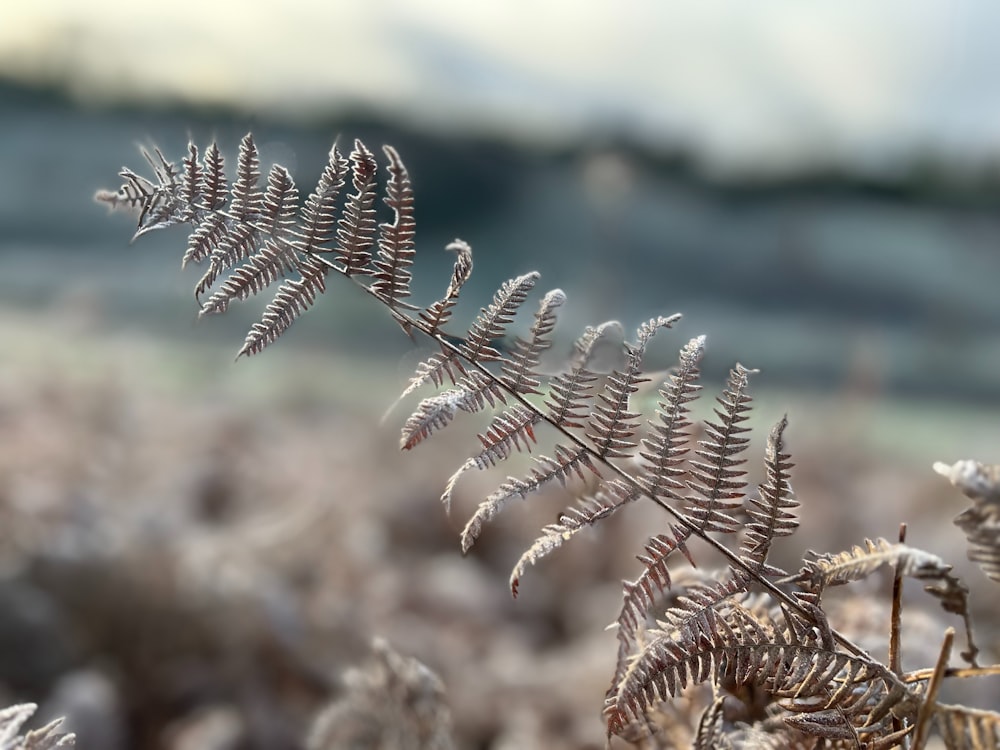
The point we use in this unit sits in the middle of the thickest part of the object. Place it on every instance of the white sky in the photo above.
(760, 84)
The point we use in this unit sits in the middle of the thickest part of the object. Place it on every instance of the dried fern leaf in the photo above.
(717, 480)
(981, 522)
(710, 734)
(492, 321)
(664, 452)
(164, 207)
(979, 482)
(206, 237)
(356, 226)
(588, 511)
(439, 313)
(569, 392)
(189, 190)
(242, 235)
(237, 244)
(433, 413)
(210, 223)
(260, 271)
(276, 258)
(639, 595)
(172, 199)
(771, 513)
(319, 214)
(714, 644)
(686, 649)
(611, 425)
(519, 369)
(391, 267)
(508, 431)
(245, 203)
(566, 463)
(133, 195)
(279, 204)
(294, 297)
(472, 394)
(214, 188)
(859, 562)
(434, 369)
(965, 728)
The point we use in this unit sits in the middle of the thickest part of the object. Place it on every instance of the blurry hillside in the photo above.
(815, 278)
(192, 551)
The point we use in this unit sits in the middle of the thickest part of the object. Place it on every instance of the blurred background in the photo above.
(194, 550)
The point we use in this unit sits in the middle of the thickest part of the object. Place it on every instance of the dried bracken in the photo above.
(755, 639)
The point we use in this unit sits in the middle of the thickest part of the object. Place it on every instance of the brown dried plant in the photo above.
(750, 648)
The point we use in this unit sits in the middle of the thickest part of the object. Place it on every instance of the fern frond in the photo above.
(519, 374)
(683, 649)
(965, 728)
(977, 481)
(434, 369)
(189, 190)
(132, 195)
(508, 431)
(172, 199)
(433, 413)
(717, 479)
(664, 452)
(246, 200)
(214, 188)
(640, 594)
(293, 298)
(566, 463)
(241, 235)
(391, 268)
(279, 204)
(270, 263)
(206, 237)
(570, 391)
(611, 424)
(164, 208)
(356, 226)
(703, 643)
(771, 513)
(471, 394)
(210, 222)
(237, 244)
(859, 562)
(439, 313)
(981, 522)
(277, 256)
(319, 214)
(588, 511)
(710, 735)
(492, 321)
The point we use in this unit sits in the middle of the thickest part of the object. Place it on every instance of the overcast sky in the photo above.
(763, 85)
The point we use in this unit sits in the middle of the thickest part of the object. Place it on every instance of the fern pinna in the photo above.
(776, 671)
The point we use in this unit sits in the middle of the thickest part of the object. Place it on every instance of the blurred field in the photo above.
(193, 550)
